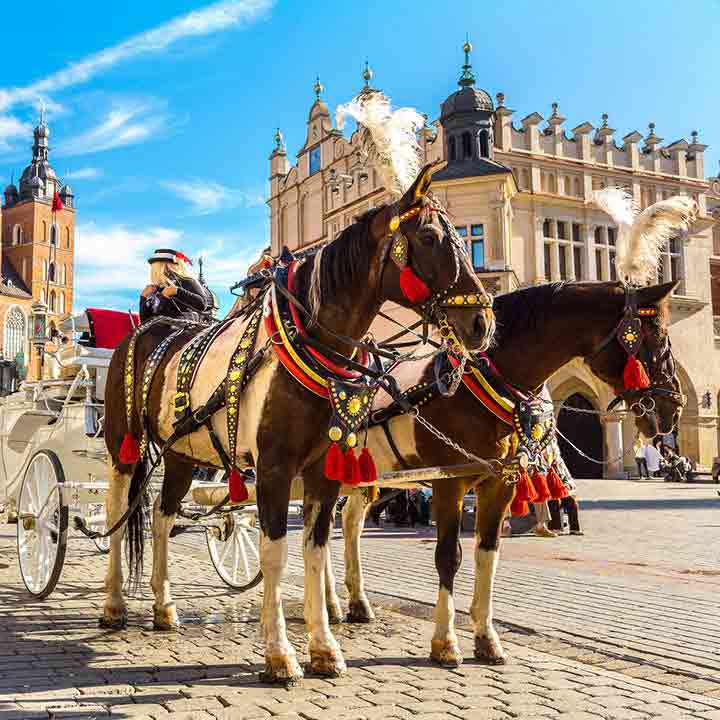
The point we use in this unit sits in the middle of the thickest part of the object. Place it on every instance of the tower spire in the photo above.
(467, 79)
(367, 75)
(318, 87)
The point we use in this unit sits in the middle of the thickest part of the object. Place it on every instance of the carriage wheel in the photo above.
(235, 549)
(42, 524)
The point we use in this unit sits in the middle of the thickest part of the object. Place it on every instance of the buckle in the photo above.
(181, 401)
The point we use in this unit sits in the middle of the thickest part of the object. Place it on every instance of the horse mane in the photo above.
(339, 264)
(524, 310)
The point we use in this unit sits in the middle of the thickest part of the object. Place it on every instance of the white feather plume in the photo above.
(642, 235)
(390, 138)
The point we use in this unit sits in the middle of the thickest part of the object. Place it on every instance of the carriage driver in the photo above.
(173, 290)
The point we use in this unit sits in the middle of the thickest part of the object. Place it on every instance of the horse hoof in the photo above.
(360, 612)
(282, 670)
(445, 653)
(489, 651)
(326, 663)
(335, 615)
(113, 620)
(165, 618)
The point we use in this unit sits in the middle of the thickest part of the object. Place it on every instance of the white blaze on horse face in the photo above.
(481, 609)
(211, 373)
(116, 504)
(273, 561)
(164, 608)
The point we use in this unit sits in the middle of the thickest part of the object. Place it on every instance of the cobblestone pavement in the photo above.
(618, 624)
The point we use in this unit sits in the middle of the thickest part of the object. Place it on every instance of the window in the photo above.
(561, 231)
(576, 233)
(563, 262)
(547, 228)
(548, 263)
(53, 234)
(461, 230)
(52, 301)
(17, 235)
(605, 253)
(477, 233)
(314, 160)
(15, 332)
(577, 259)
(670, 268)
(452, 149)
(51, 272)
(611, 236)
(600, 270)
(467, 145)
(484, 144)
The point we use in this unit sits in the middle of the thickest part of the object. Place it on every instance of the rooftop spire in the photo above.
(368, 75)
(467, 79)
(279, 141)
(318, 87)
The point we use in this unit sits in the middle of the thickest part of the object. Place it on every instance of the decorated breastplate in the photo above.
(534, 423)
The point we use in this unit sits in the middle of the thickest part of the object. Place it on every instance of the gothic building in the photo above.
(519, 193)
(36, 251)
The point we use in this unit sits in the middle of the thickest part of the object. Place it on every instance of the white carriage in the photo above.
(53, 465)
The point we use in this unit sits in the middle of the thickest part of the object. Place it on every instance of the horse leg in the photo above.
(178, 476)
(320, 497)
(447, 504)
(273, 488)
(332, 601)
(492, 500)
(353, 521)
(115, 610)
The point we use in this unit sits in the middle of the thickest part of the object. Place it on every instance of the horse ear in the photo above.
(420, 187)
(655, 294)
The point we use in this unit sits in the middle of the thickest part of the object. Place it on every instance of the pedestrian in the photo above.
(569, 504)
(640, 461)
(542, 518)
(653, 460)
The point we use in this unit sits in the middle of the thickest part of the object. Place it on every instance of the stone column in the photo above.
(539, 251)
(613, 443)
(589, 253)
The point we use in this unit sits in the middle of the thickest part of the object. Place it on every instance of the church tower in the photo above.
(38, 245)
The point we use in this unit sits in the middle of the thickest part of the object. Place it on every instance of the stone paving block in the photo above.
(239, 713)
(80, 710)
(624, 714)
(197, 703)
(482, 714)
(136, 710)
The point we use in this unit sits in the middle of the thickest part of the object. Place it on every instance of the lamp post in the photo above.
(39, 313)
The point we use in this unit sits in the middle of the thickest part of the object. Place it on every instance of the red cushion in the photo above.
(110, 327)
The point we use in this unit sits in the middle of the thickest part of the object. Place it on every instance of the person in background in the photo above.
(640, 461)
(653, 459)
(173, 290)
(542, 516)
(569, 504)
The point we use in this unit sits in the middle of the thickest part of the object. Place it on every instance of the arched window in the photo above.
(484, 144)
(45, 270)
(51, 272)
(44, 232)
(61, 303)
(52, 301)
(452, 150)
(15, 333)
(467, 145)
(53, 234)
(17, 235)
(67, 237)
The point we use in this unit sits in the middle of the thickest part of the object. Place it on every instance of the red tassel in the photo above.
(335, 463)
(238, 488)
(56, 203)
(524, 493)
(352, 468)
(634, 375)
(413, 288)
(129, 450)
(368, 471)
(540, 484)
(557, 487)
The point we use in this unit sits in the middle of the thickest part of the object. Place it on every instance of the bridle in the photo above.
(432, 308)
(660, 362)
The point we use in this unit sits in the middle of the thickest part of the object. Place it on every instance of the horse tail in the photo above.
(136, 524)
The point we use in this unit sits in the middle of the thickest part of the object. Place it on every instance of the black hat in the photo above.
(166, 254)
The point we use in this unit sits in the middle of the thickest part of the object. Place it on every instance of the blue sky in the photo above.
(162, 114)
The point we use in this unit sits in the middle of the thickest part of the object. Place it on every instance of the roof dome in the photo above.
(467, 99)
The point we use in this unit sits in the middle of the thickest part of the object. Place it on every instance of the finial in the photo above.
(500, 97)
(368, 74)
(467, 79)
(42, 112)
(318, 87)
(605, 120)
(201, 277)
(651, 127)
(554, 110)
(694, 134)
(279, 141)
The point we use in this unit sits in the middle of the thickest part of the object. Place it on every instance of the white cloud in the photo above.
(129, 121)
(214, 18)
(10, 129)
(111, 262)
(86, 173)
(207, 197)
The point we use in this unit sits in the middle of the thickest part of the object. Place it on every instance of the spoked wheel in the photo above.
(42, 524)
(235, 549)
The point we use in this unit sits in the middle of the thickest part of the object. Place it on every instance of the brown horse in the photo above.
(283, 427)
(540, 329)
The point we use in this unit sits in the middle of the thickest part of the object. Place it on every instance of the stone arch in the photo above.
(689, 430)
(17, 235)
